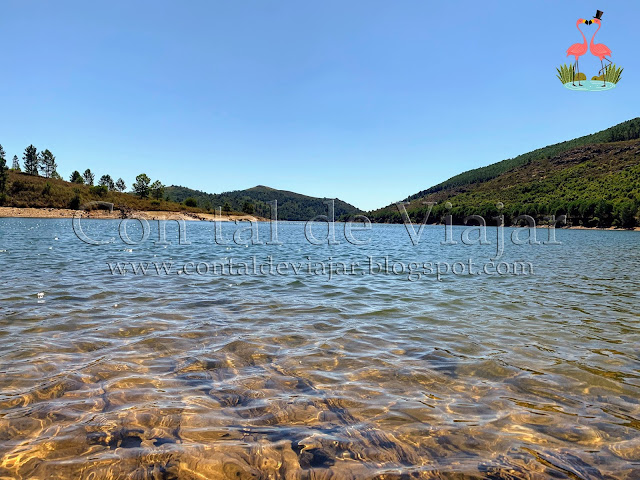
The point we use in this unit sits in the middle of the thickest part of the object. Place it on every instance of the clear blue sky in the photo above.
(368, 101)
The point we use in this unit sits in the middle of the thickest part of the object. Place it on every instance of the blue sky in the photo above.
(369, 101)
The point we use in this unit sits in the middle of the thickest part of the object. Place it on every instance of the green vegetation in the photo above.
(41, 186)
(107, 181)
(31, 160)
(76, 177)
(76, 201)
(24, 190)
(565, 73)
(47, 163)
(248, 207)
(141, 187)
(4, 171)
(629, 130)
(291, 206)
(594, 180)
(88, 177)
(612, 74)
(98, 190)
(120, 185)
(157, 190)
(595, 186)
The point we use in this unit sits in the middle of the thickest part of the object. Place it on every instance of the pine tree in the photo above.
(31, 161)
(141, 187)
(76, 177)
(88, 177)
(16, 164)
(3, 171)
(47, 163)
(157, 190)
(120, 185)
(107, 181)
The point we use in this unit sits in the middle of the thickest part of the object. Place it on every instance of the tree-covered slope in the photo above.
(629, 130)
(23, 190)
(594, 185)
(291, 206)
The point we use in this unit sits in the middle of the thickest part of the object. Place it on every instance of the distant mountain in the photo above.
(291, 206)
(594, 180)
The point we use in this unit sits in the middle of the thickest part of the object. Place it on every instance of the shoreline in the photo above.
(61, 213)
(611, 229)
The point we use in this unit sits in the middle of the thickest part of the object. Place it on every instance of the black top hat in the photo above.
(599, 14)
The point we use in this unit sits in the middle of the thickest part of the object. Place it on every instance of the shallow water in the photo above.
(361, 375)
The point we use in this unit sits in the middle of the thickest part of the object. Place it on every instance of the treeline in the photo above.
(44, 164)
(35, 163)
(597, 186)
(106, 181)
(46, 188)
(629, 130)
(36, 183)
(586, 213)
(256, 201)
(142, 187)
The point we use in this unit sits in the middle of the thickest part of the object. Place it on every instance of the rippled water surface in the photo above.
(361, 375)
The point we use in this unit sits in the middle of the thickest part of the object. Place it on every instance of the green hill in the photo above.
(291, 206)
(24, 190)
(594, 180)
(628, 130)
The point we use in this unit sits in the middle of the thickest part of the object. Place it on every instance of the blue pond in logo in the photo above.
(590, 86)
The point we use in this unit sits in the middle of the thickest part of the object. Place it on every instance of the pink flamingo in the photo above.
(578, 49)
(600, 50)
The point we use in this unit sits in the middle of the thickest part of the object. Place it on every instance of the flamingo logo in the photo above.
(608, 75)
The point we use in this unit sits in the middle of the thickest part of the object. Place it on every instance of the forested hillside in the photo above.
(24, 190)
(594, 185)
(291, 206)
(629, 130)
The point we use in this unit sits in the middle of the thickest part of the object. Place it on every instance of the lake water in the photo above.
(299, 374)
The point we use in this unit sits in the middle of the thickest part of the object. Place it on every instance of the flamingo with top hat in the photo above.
(600, 50)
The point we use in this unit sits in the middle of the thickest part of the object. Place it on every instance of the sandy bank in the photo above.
(15, 212)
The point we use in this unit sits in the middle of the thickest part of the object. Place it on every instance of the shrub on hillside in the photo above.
(99, 190)
(76, 200)
(18, 186)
